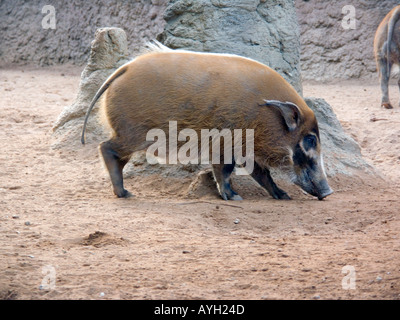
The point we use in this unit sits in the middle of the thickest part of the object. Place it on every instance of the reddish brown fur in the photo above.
(212, 91)
(202, 91)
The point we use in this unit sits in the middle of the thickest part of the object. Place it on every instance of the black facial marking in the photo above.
(309, 142)
(299, 157)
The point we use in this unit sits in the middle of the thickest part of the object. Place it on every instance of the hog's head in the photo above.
(305, 156)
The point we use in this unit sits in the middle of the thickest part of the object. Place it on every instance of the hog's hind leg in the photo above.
(222, 174)
(115, 161)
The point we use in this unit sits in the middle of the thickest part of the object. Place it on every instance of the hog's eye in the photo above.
(309, 142)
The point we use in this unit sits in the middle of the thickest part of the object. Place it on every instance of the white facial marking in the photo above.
(311, 153)
(322, 165)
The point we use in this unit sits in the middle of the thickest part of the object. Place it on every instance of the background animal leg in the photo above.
(384, 79)
(398, 83)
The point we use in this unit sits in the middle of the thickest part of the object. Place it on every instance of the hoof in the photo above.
(280, 195)
(231, 196)
(124, 194)
(236, 197)
(285, 196)
(387, 105)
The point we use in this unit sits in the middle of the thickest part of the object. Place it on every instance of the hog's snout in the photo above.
(311, 182)
(309, 167)
(325, 190)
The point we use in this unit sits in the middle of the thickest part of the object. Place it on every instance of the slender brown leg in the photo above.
(384, 76)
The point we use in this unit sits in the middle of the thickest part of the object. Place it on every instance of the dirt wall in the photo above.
(330, 47)
(23, 39)
(327, 49)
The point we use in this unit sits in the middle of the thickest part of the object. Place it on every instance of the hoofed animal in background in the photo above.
(387, 51)
(206, 91)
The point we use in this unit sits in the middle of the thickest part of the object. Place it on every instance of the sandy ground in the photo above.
(63, 235)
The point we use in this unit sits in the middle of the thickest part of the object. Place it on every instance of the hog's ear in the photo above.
(289, 111)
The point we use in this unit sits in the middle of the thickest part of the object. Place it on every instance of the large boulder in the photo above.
(341, 153)
(109, 50)
(266, 31)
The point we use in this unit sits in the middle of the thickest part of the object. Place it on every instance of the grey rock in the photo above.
(109, 50)
(341, 153)
(266, 31)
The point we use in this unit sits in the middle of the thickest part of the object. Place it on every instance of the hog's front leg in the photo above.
(263, 177)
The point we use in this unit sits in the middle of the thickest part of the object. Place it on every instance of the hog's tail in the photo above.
(119, 72)
(392, 21)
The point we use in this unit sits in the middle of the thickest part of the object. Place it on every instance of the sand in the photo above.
(63, 235)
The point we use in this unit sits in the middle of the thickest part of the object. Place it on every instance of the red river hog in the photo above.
(201, 92)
